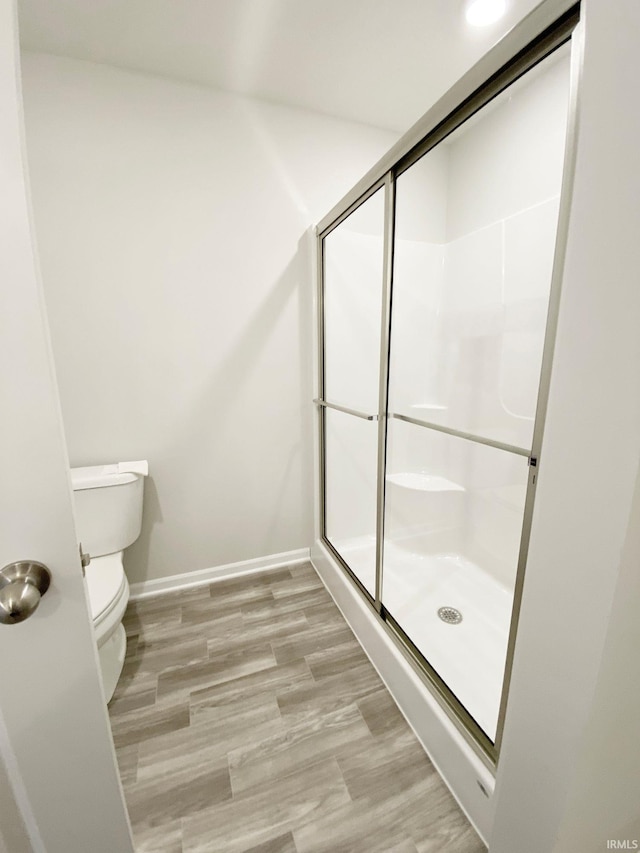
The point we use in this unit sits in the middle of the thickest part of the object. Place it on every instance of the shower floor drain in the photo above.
(450, 615)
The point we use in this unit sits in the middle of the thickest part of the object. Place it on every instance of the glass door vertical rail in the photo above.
(383, 395)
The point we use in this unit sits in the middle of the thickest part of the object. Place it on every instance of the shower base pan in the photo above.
(467, 653)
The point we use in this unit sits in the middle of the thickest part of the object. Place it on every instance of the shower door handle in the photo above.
(22, 585)
(344, 409)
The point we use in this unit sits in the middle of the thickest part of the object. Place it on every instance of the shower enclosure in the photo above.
(437, 303)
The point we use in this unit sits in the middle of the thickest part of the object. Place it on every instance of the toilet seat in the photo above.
(108, 592)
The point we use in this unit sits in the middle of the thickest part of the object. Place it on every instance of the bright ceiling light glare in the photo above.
(481, 13)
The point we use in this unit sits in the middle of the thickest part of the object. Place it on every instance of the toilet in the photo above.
(108, 511)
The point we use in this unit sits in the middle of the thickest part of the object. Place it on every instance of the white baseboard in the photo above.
(158, 586)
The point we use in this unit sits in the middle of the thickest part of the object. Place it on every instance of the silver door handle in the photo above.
(344, 409)
(22, 585)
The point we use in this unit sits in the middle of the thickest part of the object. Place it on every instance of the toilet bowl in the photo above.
(108, 510)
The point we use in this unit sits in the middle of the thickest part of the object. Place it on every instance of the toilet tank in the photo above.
(108, 507)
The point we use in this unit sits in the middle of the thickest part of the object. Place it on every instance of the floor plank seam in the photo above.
(253, 742)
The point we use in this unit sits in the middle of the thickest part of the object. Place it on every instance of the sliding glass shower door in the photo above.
(475, 228)
(353, 257)
(434, 304)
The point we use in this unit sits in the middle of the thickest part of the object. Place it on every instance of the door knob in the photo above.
(22, 585)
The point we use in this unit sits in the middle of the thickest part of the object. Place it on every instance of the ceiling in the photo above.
(381, 62)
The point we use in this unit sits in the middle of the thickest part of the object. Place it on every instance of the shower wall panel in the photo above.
(475, 237)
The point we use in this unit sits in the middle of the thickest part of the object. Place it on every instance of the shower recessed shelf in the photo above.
(419, 481)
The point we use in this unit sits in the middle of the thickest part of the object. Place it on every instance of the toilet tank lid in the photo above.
(114, 474)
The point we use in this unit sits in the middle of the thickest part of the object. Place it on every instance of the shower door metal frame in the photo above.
(548, 27)
(321, 402)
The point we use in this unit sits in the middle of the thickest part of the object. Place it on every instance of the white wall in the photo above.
(569, 773)
(169, 221)
(602, 802)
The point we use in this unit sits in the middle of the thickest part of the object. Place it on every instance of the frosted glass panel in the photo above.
(353, 258)
(353, 275)
(351, 446)
(476, 221)
(453, 522)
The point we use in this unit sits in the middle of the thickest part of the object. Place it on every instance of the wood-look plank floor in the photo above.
(248, 720)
